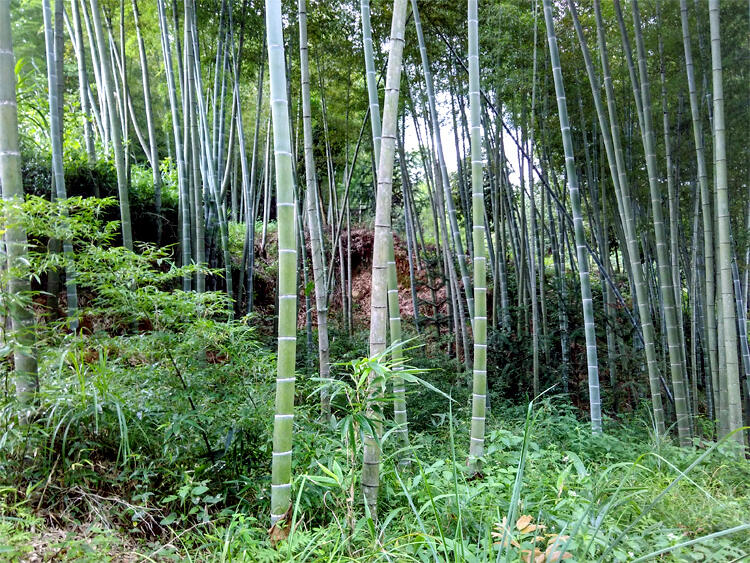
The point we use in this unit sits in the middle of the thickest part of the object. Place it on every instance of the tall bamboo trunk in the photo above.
(675, 342)
(83, 83)
(673, 210)
(153, 145)
(281, 475)
(394, 315)
(248, 254)
(412, 255)
(182, 188)
(443, 175)
(728, 314)
(383, 235)
(479, 387)
(19, 282)
(54, 80)
(209, 168)
(99, 109)
(115, 125)
(243, 210)
(533, 228)
(316, 243)
(580, 237)
(611, 136)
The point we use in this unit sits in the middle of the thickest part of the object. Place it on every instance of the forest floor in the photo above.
(155, 445)
(68, 494)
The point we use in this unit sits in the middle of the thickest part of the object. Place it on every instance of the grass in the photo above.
(155, 444)
(157, 447)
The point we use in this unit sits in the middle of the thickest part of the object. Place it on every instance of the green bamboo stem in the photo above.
(83, 82)
(316, 243)
(673, 219)
(98, 109)
(580, 237)
(533, 228)
(54, 55)
(199, 222)
(246, 172)
(115, 125)
(281, 478)
(19, 283)
(153, 146)
(460, 153)
(411, 250)
(383, 235)
(728, 312)
(675, 342)
(185, 246)
(610, 130)
(479, 386)
(394, 314)
(371, 79)
(194, 216)
(397, 353)
(208, 165)
(248, 252)
(443, 171)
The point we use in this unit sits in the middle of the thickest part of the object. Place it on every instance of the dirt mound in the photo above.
(431, 290)
(362, 242)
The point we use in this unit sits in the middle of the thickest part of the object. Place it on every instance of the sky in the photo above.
(442, 99)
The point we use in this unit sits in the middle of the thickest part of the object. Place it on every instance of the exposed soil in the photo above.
(362, 240)
(59, 544)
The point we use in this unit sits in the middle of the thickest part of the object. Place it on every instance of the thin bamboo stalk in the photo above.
(575, 199)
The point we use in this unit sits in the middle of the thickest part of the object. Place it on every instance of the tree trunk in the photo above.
(443, 177)
(19, 282)
(729, 318)
(316, 243)
(83, 83)
(54, 80)
(618, 169)
(281, 478)
(115, 126)
(182, 188)
(580, 240)
(383, 235)
(479, 386)
(153, 146)
(643, 107)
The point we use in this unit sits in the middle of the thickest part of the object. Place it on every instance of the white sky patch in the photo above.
(411, 141)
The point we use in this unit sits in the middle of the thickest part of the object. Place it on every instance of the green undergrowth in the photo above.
(156, 446)
(151, 441)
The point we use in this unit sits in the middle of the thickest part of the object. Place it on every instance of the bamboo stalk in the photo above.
(281, 477)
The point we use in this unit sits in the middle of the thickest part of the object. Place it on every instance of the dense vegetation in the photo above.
(354, 281)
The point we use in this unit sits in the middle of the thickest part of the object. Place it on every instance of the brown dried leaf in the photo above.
(554, 554)
(527, 556)
(523, 522)
(553, 537)
(557, 556)
(532, 528)
(506, 542)
(280, 530)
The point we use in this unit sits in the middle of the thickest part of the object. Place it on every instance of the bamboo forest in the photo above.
(375, 280)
